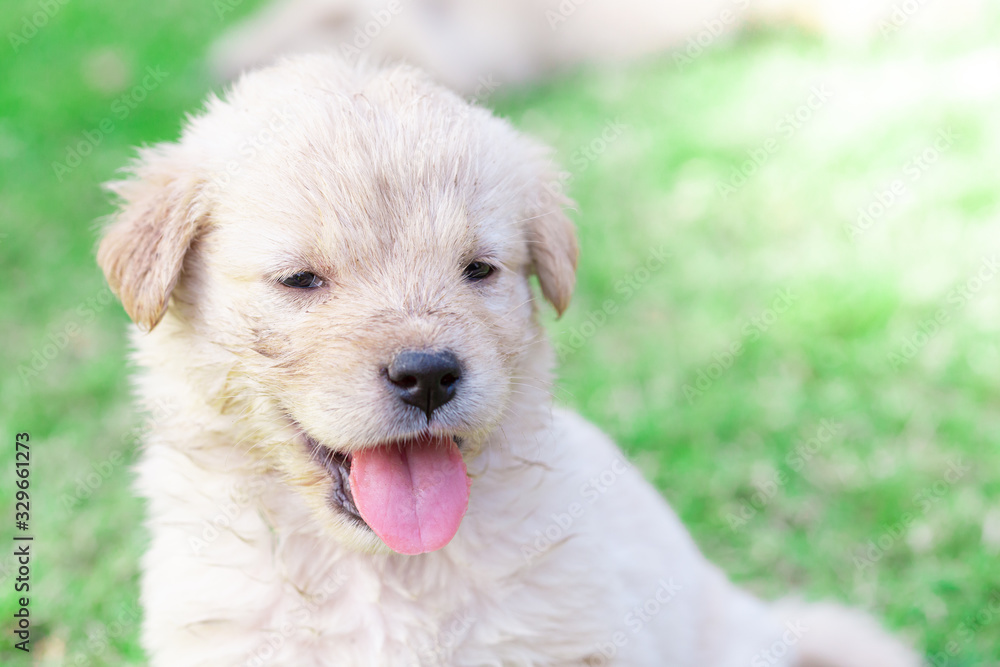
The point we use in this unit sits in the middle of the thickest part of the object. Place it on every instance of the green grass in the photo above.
(722, 435)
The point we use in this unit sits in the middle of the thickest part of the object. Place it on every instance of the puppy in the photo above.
(356, 461)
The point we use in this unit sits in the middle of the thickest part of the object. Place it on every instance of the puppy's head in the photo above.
(353, 248)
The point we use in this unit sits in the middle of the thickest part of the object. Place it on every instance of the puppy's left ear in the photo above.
(552, 241)
(142, 250)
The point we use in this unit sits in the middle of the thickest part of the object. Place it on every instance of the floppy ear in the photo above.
(553, 245)
(142, 249)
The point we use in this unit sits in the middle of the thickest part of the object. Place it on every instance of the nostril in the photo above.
(405, 382)
(424, 379)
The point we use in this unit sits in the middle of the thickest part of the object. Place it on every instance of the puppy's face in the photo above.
(361, 266)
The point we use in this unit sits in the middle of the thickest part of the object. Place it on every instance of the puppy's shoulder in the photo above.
(570, 428)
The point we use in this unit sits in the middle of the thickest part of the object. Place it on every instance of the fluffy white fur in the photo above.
(387, 185)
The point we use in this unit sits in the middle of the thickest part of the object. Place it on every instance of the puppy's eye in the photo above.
(478, 271)
(302, 280)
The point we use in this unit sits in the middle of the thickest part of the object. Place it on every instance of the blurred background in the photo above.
(788, 305)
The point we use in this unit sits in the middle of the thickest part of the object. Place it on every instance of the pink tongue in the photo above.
(412, 494)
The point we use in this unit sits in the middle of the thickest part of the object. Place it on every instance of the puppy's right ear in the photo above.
(552, 241)
(143, 248)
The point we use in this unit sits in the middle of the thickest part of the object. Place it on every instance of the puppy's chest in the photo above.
(421, 614)
(476, 602)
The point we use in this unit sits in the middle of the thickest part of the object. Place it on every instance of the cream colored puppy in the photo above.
(359, 463)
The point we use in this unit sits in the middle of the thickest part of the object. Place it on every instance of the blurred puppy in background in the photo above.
(362, 465)
(474, 46)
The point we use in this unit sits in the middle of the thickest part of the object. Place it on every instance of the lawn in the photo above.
(786, 312)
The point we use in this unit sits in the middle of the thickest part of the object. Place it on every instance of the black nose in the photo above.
(426, 380)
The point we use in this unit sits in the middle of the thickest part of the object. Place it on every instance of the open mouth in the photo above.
(412, 493)
(338, 466)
